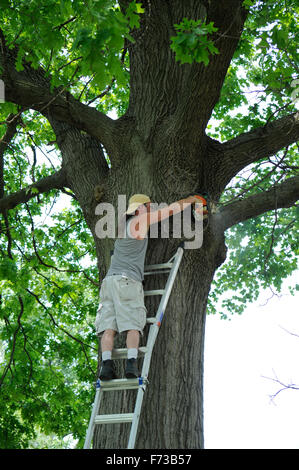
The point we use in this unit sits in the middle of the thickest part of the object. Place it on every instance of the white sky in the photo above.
(239, 413)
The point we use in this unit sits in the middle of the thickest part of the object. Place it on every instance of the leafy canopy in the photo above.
(48, 274)
(259, 87)
(191, 44)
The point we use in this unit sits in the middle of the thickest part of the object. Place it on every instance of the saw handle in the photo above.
(201, 198)
(203, 201)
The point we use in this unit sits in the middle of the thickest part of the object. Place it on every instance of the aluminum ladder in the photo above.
(141, 382)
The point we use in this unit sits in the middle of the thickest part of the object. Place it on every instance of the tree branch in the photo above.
(12, 122)
(54, 181)
(31, 89)
(78, 340)
(259, 143)
(285, 386)
(15, 334)
(279, 196)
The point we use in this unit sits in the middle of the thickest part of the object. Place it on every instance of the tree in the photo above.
(176, 73)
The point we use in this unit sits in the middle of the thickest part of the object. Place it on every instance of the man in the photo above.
(122, 306)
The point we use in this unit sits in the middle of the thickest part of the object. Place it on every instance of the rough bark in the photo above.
(281, 195)
(259, 143)
(4, 144)
(55, 181)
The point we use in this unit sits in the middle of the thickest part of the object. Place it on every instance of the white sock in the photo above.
(106, 355)
(132, 353)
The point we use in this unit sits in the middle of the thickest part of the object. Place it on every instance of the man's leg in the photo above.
(107, 342)
(107, 371)
(133, 337)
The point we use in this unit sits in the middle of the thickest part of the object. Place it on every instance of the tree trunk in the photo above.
(174, 397)
(172, 413)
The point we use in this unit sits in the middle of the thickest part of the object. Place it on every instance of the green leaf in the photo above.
(191, 44)
(34, 190)
(8, 269)
(132, 14)
(139, 8)
(248, 3)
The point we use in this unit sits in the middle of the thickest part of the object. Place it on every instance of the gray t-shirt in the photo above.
(128, 256)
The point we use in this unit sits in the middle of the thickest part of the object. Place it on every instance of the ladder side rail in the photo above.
(91, 425)
(169, 283)
(137, 411)
(154, 329)
(163, 302)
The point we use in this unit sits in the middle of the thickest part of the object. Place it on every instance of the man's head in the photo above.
(139, 202)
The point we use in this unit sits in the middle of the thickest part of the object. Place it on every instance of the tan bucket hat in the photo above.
(135, 201)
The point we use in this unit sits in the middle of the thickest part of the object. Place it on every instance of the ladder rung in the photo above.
(157, 272)
(154, 292)
(119, 384)
(122, 353)
(149, 267)
(114, 419)
(151, 320)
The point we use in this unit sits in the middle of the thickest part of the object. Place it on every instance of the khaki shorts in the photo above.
(121, 305)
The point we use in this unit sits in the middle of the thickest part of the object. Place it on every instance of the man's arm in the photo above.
(142, 222)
